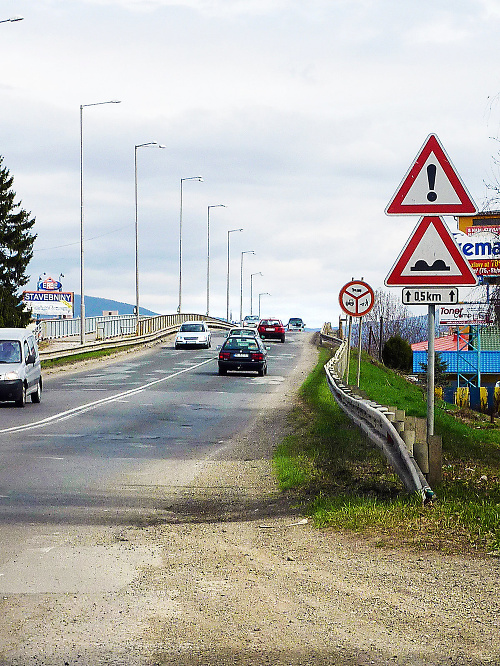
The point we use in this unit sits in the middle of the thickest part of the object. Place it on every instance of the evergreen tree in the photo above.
(441, 375)
(397, 354)
(16, 251)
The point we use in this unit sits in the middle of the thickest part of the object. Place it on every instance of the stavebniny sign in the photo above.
(49, 303)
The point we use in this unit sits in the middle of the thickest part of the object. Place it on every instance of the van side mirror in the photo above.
(31, 359)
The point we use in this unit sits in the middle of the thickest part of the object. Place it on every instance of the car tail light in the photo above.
(224, 356)
(257, 356)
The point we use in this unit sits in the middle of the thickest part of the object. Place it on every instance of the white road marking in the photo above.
(275, 379)
(62, 416)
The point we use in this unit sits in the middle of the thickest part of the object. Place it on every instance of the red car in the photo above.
(271, 328)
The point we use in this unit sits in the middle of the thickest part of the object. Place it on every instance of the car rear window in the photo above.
(192, 328)
(241, 343)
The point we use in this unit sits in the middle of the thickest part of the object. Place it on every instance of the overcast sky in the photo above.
(302, 117)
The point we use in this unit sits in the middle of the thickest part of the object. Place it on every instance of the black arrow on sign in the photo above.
(408, 294)
(452, 296)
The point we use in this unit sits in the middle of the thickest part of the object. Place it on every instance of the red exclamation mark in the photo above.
(431, 179)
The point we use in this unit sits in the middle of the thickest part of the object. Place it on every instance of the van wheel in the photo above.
(22, 400)
(37, 395)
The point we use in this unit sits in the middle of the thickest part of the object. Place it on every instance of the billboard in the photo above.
(464, 314)
(481, 247)
(49, 303)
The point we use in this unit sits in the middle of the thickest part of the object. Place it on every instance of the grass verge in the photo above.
(345, 484)
(82, 356)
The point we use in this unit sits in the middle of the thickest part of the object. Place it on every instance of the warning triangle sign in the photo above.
(432, 186)
(431, 258)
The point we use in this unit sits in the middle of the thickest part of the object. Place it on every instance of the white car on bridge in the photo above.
(193, 333)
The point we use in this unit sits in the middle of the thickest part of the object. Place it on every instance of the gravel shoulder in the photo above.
(236, 576)
(259, 585)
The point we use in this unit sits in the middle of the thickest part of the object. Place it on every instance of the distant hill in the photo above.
(94, 307)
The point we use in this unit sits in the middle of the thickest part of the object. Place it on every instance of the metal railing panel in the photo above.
(372, 420)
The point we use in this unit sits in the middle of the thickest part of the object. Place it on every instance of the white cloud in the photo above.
(301, 117)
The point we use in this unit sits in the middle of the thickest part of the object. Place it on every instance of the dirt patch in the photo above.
(255, 583)
(237, 576)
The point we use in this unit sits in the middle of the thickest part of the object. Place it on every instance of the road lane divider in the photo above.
(74, 411)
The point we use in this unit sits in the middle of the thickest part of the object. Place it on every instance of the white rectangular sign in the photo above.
(432, 296)
(49, 303)
(464, 313)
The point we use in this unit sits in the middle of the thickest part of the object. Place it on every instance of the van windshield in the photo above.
(10, 351)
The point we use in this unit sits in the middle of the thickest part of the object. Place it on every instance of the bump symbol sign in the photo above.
(431, 257)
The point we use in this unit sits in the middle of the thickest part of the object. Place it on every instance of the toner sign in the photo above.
(49, 303)
(464, 314)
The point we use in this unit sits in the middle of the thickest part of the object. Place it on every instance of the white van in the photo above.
(20, 371)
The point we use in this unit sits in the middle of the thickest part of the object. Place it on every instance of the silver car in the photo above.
(193, 334)
(20, 368)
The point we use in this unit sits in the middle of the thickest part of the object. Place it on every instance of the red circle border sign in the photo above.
(356, 298)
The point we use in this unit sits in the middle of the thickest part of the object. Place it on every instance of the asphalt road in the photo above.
(105, 441)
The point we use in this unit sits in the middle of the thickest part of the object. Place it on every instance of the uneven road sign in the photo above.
(431, 258)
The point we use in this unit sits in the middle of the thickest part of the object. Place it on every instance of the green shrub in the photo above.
(397, 354)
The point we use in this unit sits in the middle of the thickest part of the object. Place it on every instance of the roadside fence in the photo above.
(327, 335)
(114, 331)
(103, 327)
(113, 326)
(402, 439)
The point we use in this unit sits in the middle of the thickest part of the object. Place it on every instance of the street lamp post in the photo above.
(208, 253)
(200, 179)
(241, 284)
(251, 291)
(230, 231)
(140, 145)
(82, 286)
(264, 293)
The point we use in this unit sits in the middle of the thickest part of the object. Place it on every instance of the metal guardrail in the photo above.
(161, 322)
(327, 335)
(160, 327)
(105, 326)
(373, 420)
(112, 326)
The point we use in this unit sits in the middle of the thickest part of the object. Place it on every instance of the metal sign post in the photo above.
(356, 299)
(431, 330)
(349, 334)
(431, 265)
(360, 331)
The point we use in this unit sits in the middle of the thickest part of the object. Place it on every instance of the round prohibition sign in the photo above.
(356, 298)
